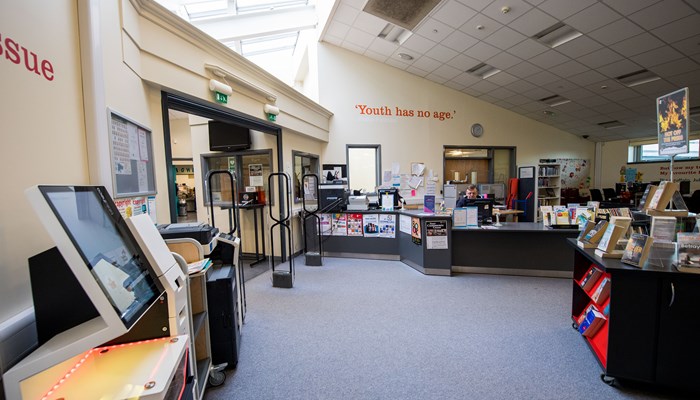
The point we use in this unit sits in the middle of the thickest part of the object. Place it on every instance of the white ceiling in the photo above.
(618, 37)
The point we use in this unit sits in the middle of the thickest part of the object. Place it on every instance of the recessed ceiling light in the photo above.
(611, 124)
(637, 78)
(557, 34)
(483, 70)
(394, 34)
(548, 113)
(405, 56)
(555, 100)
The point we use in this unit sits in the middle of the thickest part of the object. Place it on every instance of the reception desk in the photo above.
(430, 244)
(524, 248)
(419, 240)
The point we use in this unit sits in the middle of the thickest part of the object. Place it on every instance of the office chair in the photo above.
(596, 195)
(609, 194)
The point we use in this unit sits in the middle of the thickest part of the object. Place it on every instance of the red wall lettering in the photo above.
(14, 53)
(400, 112)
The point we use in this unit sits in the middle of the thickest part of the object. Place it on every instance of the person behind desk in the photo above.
(472, 193)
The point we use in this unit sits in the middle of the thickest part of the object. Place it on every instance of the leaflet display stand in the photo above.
(312, 222)
(281, 278)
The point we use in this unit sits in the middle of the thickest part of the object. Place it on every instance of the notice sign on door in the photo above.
(436, 235)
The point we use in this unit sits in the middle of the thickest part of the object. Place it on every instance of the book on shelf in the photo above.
(581, 317)
(648, 194)
(592, 323)
(637, 250)
(688, 257)
(608, 241)
(623, 221)
(663, 195)
(589, 280)
(663, 229)
(586, 228)
(547, 215)
(593, 236)
(678, 202)
(602, 292)
(562, 217)
(197, 266)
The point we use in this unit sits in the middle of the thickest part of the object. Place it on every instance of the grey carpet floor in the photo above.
(367, 329)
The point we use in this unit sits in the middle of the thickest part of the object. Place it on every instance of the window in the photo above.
(649, 152)
(364, 165)
(250, 169)
(304, 163)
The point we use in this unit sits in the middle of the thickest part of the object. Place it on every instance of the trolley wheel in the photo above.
(217, 378)
(574, 325)
(608, 380)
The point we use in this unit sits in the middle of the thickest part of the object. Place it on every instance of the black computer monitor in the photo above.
(485, 209)
(391, 191)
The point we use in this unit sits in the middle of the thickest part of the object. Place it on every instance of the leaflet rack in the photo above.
(312, 221)
(282, 279)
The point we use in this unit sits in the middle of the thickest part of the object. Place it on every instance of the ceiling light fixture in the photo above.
(555, 100)
(611, 124)
(483, 70)
(557, 34)
(637, 78)
(394, 34)
(548, 113)
(405, 56)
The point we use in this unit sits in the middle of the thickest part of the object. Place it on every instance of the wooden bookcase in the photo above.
(651, 331)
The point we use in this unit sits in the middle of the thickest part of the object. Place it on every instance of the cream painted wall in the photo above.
(614, 157)
(180, 138)
(348, 80)
(43, 135)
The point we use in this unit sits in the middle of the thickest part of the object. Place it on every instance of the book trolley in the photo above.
(650, 327)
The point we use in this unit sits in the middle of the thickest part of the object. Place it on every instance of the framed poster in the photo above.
(131, 151)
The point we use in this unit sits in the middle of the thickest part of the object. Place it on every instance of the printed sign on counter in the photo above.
(436, 235)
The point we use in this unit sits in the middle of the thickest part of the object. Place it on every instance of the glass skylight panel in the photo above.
(247, 6)
(250, 47)
(205, 7)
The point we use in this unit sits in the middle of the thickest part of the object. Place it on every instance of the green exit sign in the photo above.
(271, 117)
(221, 98)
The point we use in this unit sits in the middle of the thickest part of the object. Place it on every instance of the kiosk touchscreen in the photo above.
(106, 260)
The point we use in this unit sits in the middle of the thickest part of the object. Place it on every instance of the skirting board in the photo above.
(427, 271)
(390, 257)
(513, 271)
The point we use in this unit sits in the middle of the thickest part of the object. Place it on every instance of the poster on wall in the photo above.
(415, 230)
(672, 122)
(255, 172)
(436, 235)
(371, 225)
(129, 207)
(354, 224)
(326, 224)
(387, 225)
(405, 224)
(575, 172)
(339, 225)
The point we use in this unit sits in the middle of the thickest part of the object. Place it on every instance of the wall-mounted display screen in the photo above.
(107, 246)
(228, 137)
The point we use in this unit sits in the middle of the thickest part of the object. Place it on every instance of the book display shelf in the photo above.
(648, 330)
(548, 189)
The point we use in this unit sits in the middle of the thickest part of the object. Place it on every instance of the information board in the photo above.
(131, 150)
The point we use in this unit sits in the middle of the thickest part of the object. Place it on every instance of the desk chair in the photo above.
(596, 195)
(610, 194)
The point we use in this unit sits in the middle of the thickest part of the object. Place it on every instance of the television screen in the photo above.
(228, 137)
(107, 247)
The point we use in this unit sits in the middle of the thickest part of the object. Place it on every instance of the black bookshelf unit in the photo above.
(652, 325)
